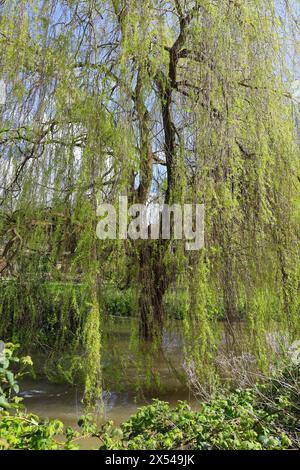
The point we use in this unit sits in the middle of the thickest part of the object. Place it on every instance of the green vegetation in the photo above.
(22, 430)
(237, 423)
(18, 429)
(264, 417)
(180, 101)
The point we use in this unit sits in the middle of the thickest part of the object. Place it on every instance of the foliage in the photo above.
(29, 432)
(119, 303)
(22, 430)
(176, 304)
(186, 102)
(265, 417)
(9, 387)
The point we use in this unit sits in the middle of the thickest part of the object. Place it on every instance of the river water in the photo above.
(63, 402)
(121, 397)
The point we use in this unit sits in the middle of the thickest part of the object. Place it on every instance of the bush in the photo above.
(9, 387)
(18, 429)
(119, 303)
(265, 417)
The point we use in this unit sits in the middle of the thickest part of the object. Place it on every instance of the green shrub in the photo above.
(18, 429)
(9, 387)
(265, 417)
(120, 303)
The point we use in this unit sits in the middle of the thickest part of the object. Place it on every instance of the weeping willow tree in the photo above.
(188, 101)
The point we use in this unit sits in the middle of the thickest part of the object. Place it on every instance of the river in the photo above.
(121, 397)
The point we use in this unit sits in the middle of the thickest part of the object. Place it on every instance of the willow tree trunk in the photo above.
(153, 284)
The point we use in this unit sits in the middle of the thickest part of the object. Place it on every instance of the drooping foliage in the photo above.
(189, 101)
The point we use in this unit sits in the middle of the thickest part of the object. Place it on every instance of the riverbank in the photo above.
(265, 416)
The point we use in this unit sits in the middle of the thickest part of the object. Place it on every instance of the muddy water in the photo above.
(121, 398)
(56, 401)
(63, 402)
